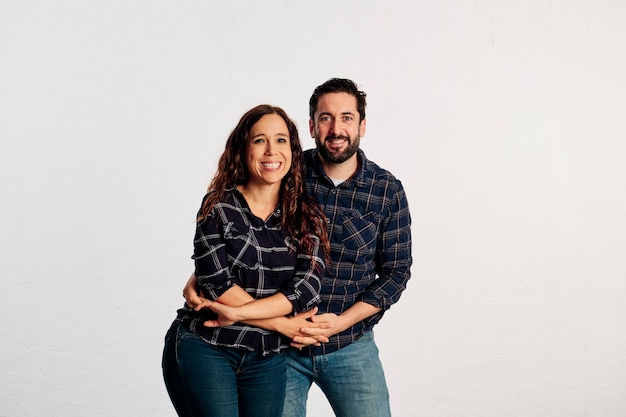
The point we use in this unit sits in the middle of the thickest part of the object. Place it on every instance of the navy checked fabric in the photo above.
(234, 247)
(370, 230)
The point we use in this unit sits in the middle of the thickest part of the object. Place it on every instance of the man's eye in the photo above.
(348, 118)
(324, 119)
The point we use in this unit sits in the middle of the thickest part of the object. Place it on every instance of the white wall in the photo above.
(504, 120)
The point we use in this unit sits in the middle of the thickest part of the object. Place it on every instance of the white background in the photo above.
(503, 119)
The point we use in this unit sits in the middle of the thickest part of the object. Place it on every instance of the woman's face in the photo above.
(268, 150)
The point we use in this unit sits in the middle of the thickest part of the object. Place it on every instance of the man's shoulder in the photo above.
(309, 154)
(309, 159)
(377, 172)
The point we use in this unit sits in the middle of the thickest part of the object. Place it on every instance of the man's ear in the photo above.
(363, 127)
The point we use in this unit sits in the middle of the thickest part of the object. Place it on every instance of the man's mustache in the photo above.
(333, 137)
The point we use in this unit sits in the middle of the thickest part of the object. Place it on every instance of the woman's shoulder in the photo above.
(230, 202)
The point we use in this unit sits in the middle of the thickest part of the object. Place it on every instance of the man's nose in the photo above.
(332, 125)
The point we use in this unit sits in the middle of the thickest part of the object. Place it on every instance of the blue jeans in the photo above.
(207, 380)
(352, 379)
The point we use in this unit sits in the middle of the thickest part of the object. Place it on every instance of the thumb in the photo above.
(308, 314)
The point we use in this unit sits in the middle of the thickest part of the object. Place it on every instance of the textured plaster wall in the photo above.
(504, 120)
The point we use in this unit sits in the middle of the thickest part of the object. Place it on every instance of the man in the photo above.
(369, 229)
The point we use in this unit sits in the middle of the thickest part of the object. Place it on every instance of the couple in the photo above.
(268, 258)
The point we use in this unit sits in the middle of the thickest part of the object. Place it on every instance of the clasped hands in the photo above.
(303, 329)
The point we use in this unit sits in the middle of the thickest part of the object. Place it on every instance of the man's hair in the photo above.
(338, 85)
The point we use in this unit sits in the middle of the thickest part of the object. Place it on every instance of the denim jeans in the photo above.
(352, 379)
(207, 380)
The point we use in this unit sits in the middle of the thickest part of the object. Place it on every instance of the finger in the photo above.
(320, 318)
(302, 341)
(212, 323)
(311, 312)
(321, 338)
(191, 301)
(203, 304)
(318, 339)
(311, 325)
(301, 345)
(308, 314)
(314, 331)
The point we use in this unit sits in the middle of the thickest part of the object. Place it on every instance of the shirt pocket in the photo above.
(232, 231)
(241, 251)
(359, 235)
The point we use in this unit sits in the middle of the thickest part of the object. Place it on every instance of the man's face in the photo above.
(336, 127)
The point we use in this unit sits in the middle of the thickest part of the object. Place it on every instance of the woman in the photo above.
(259, 249)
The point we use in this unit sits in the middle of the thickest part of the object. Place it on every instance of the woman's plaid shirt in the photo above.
(234, 247)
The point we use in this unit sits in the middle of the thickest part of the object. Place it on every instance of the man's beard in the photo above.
(337, 157)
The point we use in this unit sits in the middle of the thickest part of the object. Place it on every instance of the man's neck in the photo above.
(343, 170)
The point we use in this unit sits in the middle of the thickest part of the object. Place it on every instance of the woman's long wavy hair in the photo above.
(301, 214)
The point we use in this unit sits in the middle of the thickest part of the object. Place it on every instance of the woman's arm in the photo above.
(230, 309)
(236, 296)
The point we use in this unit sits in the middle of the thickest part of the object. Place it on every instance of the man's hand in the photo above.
(226, 315)
(337, 323)
(290, 327)
(320, 326)
(191, 295)
(309, 329)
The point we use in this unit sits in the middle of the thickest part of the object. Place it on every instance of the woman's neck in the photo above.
(262, 200)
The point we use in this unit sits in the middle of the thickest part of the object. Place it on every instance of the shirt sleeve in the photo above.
(304, 288)
(211, 260)
(393, 257)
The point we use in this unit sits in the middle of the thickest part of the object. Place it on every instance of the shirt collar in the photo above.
(359, 177)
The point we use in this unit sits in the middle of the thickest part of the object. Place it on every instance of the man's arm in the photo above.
(338, 323)
(393, 269)
(393, 256)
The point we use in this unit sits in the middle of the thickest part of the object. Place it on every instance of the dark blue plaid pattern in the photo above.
(234, 247)
(370, 232)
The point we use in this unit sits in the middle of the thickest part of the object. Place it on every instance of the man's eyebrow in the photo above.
(344, 113)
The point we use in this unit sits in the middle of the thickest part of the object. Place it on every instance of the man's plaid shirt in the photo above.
(370, 233)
